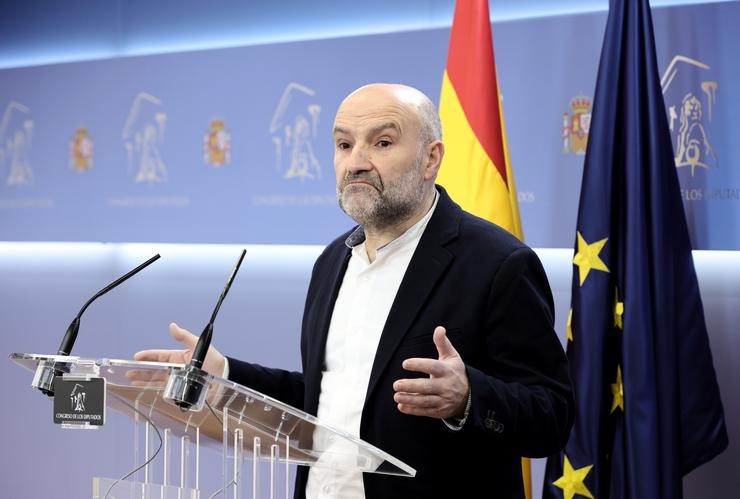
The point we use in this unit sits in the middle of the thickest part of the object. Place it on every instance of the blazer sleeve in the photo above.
(526, 396)
(285, 386)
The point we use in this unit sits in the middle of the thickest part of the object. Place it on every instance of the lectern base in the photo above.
(137, 490)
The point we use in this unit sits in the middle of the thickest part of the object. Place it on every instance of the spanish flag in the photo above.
(476, 170)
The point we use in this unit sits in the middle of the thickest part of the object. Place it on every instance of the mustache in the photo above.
(368, 177)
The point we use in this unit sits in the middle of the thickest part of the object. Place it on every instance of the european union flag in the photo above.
(648, 403)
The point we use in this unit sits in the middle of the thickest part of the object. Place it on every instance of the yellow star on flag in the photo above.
(618, 392)
(572, 480)
(569, 325)
(618, 309)
(587, 257)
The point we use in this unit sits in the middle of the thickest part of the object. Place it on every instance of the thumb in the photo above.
(183, 336)
(443, 344)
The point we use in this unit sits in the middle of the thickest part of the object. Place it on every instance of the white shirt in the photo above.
(360, 312)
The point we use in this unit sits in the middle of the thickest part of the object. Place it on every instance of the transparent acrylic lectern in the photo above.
(236, 422)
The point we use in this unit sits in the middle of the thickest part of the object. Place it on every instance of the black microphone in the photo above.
(65, 348)
(185, 386)
(204, 341)
(44, 381)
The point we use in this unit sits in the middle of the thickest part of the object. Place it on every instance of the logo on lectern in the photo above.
(77, 398)
(79, 402)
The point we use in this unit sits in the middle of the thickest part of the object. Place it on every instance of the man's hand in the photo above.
(444, 393)
(214, 362)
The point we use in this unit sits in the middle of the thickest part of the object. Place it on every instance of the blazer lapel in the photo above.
(325, 307)
(429, 262)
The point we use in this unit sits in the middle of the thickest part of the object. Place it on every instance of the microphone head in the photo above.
(201, 348)
(65, 347)
(187, 387)
(47, 371)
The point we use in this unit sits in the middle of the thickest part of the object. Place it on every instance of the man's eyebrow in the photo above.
(374, 130)
(392, 125)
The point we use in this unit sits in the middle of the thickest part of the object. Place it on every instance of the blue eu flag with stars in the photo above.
(648, 404)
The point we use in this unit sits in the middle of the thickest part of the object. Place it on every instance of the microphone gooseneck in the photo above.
(204, 341)
(186, 386)
(46, 372)
(65, 348)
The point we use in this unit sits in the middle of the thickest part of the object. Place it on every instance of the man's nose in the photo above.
(359, 160)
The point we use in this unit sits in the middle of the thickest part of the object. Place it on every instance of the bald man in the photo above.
(427, 332)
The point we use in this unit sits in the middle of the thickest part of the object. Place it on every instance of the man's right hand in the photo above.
(214, 362)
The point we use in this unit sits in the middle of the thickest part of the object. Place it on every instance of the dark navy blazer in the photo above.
(491, 293)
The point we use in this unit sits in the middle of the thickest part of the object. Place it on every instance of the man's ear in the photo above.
(435, 153)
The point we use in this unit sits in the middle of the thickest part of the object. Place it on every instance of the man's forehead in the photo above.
(370, 122)
(363, 117)
(370, 116)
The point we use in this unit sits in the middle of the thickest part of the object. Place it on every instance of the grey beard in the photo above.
(394, 204)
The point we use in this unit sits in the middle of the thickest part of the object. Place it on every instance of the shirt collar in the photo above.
(357, 236)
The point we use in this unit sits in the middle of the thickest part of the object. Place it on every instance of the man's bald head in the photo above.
(430, 127)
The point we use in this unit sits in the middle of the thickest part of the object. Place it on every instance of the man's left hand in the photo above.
(444, 393)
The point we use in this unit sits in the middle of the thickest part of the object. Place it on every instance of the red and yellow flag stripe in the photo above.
(476, 170)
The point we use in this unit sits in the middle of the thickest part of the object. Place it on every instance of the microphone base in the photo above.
(187, 387)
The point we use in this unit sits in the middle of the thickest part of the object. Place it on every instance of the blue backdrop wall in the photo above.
(158, 147)
(184, 122)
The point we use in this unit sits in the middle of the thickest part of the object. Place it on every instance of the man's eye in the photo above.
(384, 143)
(342, 145)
